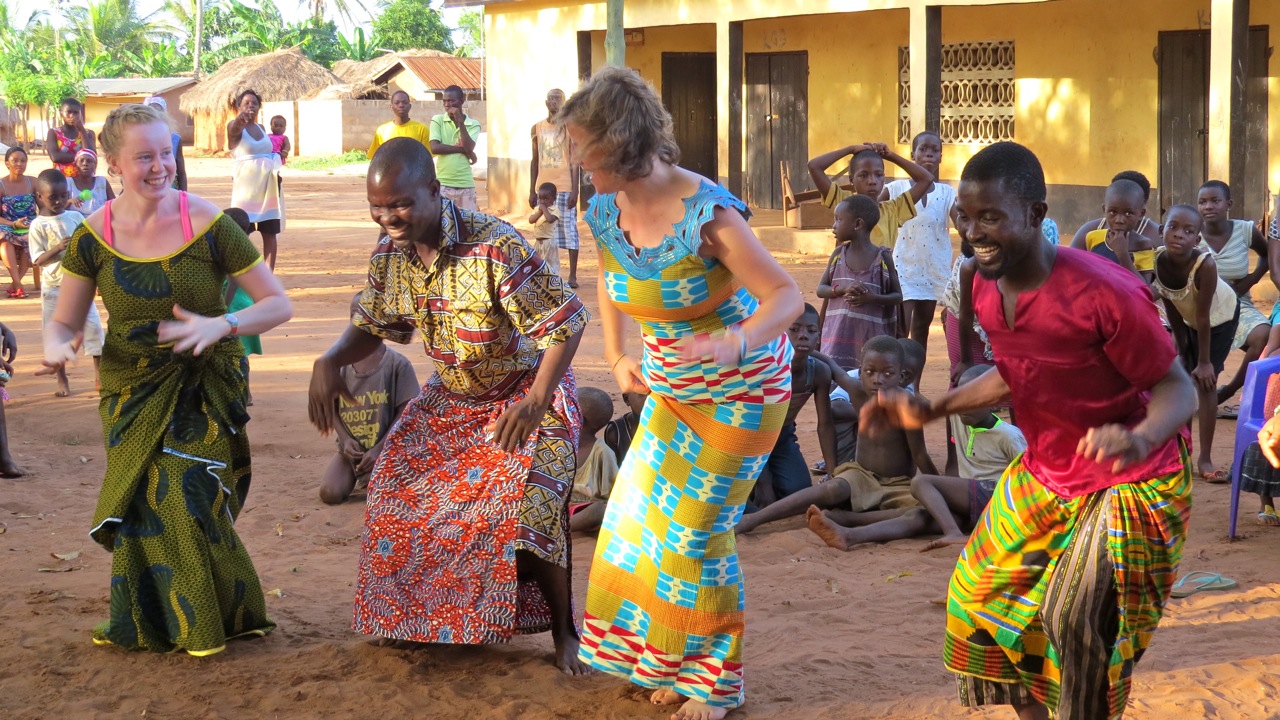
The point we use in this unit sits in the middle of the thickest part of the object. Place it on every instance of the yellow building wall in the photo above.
(1087, 96)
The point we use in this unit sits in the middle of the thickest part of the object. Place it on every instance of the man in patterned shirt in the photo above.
(466, 532)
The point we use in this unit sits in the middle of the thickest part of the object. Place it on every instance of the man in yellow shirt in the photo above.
(401, 126)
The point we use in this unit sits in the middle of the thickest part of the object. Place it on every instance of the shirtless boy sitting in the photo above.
(880, 476)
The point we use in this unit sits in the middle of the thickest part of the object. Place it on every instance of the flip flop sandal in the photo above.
(1217, 477)
(1229, 412)
(1194, 582)
(1269, 518)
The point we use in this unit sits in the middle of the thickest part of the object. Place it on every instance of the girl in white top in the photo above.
(1203, 310)
(1230, 242)
(923, 252)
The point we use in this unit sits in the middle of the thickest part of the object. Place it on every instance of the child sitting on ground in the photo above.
(844, 416)
(544, 222)
(866, 173)
(880, 476)
(380, 385)
(621, 430)
(785, 472)
(597, 465)
(986, 446)
(50, 234)
(860, 285)
(1204, 312)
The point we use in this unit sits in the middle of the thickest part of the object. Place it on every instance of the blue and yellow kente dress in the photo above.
(665, 600)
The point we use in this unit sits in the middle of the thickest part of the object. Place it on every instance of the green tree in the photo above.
(323, 45)
(471, 28)
(259, 30)
(156, 60)
(410, 24)
(320, 9)
(110, 26)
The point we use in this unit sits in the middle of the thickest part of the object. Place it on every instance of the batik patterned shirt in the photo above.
(486, 308)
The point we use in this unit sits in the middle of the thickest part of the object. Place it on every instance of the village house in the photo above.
(1181, 90)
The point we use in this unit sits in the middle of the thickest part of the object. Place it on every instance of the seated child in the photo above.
(844, 417)
(785, 472)
(860, 284)
(1204, 311)
(48, 238)
(986, 446)
(597, 465)
(382, 385)
(880, 476)
(620, 431)
(1124, 208)
(544, 222)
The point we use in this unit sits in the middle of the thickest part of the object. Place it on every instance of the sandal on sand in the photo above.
(1228, 412)
(16, 294)
(1194, 582)
(1217, 477)
(1268, 517)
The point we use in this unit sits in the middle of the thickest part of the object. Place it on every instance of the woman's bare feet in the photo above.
(694, 710)
(394, 644)
(567, 656)
(822, 526)
(945, 541)
(666, 697)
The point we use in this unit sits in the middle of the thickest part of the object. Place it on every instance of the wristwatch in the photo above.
(234, 322)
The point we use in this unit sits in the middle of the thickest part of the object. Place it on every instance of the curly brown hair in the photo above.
(625, 120)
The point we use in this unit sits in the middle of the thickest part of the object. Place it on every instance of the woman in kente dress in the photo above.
(665, 600)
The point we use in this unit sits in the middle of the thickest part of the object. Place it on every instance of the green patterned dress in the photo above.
(177, 453)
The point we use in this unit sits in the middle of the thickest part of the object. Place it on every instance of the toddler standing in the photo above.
(860, 284)
(50, 234)
(545, 222)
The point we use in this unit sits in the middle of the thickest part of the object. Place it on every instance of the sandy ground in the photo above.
(829, 634)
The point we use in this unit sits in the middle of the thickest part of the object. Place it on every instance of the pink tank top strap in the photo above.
(184, 211)
(107, 235)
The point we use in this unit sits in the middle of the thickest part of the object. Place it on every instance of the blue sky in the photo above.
(290, 9)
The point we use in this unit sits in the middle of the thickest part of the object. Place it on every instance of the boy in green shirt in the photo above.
(453, 144)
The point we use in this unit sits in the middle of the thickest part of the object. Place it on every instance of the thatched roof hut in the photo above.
(284, 75)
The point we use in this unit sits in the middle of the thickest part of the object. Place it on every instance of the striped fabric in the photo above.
(665, 600)
(1024, 604)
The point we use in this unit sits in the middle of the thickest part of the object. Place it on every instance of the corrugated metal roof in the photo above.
(134, 86)
(438, 73)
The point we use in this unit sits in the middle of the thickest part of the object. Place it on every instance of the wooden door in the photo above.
(1184, 115)
(777, 124)
(1184, 122)
(689, 92)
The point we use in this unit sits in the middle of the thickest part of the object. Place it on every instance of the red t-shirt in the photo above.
(1086, 349)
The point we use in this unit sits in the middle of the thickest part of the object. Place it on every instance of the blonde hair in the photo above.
(112, 136)
(624, 120)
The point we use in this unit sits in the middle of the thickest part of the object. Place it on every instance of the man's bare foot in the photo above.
(64, 390)
(9, 469)
(694, 710)
(567, 656)
(666, 697)
(822, 526)
(945, 541)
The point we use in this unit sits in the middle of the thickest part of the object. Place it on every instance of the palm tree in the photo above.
(104, 26)
(260, 30)
(320, 8)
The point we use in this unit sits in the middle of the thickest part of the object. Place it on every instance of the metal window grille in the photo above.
(977, 92)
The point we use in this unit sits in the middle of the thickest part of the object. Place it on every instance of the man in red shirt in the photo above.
(1061, 585)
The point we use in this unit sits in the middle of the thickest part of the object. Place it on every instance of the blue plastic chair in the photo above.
(1253, 415)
